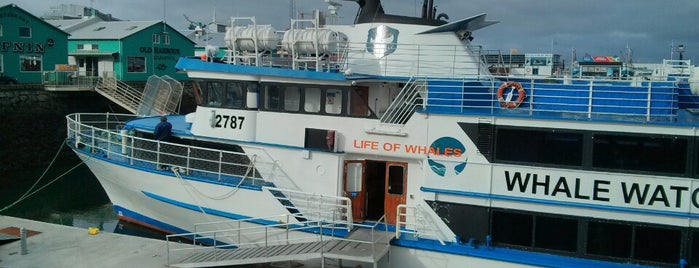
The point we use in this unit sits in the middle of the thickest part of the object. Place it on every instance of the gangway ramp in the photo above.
(363, 244)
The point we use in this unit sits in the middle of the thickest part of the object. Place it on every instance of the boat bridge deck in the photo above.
(358, 246)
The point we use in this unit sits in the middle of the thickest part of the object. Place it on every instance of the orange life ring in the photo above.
(521, 94)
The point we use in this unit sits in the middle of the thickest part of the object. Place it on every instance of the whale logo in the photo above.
(447, 157)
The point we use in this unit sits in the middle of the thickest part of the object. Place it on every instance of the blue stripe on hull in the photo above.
(559, 203)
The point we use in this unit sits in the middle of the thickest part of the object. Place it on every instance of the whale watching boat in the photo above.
(390, 142)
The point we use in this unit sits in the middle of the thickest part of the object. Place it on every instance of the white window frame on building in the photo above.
(2, 65)
(0, 30)
(130, 68)
(28, 31)
(156, 39)
(166, 39)
(30, 60)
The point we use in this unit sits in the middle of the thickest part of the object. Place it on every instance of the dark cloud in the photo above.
(597, 27)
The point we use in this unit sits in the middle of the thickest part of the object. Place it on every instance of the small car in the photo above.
(7, 80)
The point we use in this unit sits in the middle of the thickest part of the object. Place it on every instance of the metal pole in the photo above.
(23, 238)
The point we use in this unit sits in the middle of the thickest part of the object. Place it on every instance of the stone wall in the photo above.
(34, 124)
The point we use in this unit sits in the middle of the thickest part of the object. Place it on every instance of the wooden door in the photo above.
(354, 187)
(396, 174)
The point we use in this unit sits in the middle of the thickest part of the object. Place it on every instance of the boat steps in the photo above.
(358, 246)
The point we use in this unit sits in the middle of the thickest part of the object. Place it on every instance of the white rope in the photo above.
(29, 192)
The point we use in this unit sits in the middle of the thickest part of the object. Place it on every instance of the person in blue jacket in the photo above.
(163, 129)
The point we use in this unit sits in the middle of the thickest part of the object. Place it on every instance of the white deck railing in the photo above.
(419, 221)
(102, 135)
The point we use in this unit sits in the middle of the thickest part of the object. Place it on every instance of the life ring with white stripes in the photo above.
(509, 103)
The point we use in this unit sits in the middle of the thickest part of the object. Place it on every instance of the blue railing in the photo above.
(569, 99)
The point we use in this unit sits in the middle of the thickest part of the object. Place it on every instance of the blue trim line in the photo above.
(508, 255)
(199, 65)
(560, 203)
(233, 216)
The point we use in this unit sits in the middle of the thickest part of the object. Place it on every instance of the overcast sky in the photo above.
(597, 27)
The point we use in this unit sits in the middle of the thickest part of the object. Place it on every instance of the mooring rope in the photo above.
(29, 192)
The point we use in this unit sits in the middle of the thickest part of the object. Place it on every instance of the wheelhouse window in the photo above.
(292, 99)
(333, 101)
(273, 97)
(234, 95)
(215, 96)
(640, 153)
(25, 31)
(136, 64)
(30, 63)
(312, 100)
(555, 147)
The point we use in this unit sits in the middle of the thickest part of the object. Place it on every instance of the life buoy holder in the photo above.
(509, 103)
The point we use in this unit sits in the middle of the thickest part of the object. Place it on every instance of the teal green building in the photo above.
(29, 45)
(126, 50)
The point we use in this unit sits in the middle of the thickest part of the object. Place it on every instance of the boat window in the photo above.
(252, 95)
(657, 244)
(512, 228)
(694, 247)
(333, 101)
(234, 95)
(556, 233)
(650, 154)
(395, 180)
(609, 239)
(354, 177)
(539, 146)
(272, 97)
(214, 94)
(311, 102)
(292, 99)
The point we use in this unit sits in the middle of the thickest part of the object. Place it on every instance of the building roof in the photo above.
(208, 38)
(32, 15)
(71, 25)
(111, 30)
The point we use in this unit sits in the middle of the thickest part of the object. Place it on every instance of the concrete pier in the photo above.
(51, 245)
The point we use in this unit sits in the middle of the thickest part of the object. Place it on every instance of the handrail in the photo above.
(418, 221)
(312, 206)
(404, 104)
(102, 134)
(265, 235)
(566, 98)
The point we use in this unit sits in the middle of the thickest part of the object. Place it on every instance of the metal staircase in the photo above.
(120, 93)
(162, 95)
(404, 105)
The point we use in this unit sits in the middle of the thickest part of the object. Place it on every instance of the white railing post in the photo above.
(157, 155)
(220, 164)
(589, 100)
(648, 101)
